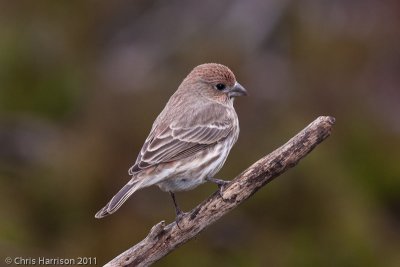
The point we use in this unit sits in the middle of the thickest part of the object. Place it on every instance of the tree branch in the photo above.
(163, 239)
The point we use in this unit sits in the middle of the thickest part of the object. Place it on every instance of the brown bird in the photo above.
(190, 139)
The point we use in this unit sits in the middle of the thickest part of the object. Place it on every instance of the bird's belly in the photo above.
(194, 170)
(180, 184)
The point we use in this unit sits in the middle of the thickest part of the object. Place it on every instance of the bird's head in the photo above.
(214, 81)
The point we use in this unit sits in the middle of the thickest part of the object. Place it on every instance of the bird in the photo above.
(190, 139)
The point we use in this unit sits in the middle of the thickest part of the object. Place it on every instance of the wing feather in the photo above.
(176, 142)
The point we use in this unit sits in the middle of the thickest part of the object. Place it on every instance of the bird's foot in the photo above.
(220, 183)
(179, 213)
(178, 218)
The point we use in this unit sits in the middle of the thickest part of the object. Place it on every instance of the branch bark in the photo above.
(163, 239)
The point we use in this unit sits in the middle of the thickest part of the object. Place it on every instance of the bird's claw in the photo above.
(178, 218)
(220, 183)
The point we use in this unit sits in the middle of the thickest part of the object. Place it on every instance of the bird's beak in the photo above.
(237, 90)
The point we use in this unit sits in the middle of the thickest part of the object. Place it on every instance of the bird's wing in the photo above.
(176, 142)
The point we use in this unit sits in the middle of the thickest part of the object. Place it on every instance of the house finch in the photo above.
(190, 139)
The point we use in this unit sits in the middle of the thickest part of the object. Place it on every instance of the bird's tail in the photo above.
(116, 202)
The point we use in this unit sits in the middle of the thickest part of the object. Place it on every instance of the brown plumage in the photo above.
(190, 139)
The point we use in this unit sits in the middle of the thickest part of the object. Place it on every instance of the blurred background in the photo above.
(82, 81)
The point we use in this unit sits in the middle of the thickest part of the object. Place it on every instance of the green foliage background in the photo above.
(82, 81)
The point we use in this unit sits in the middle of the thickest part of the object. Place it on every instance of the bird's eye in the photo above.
(220, 86)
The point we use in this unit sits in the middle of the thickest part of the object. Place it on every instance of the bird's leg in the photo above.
(220, 183)
(178, 211)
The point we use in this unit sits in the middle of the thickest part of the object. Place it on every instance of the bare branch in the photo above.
(163, 239)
